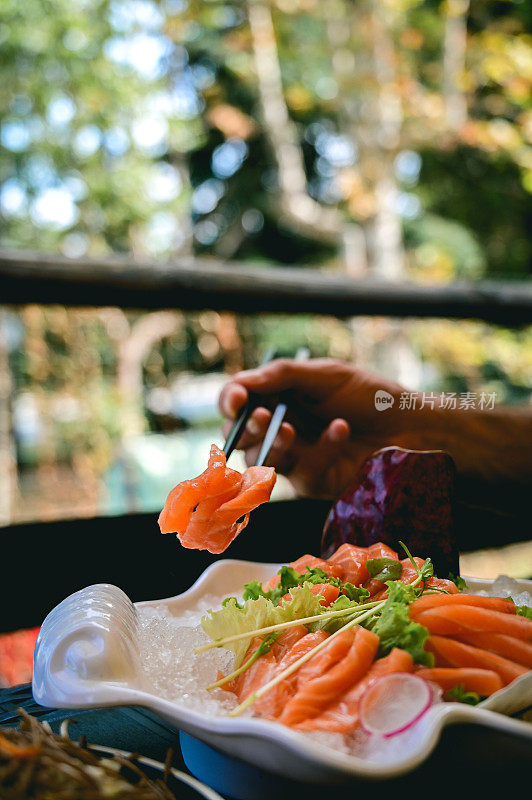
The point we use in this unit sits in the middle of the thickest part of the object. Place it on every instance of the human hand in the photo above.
(338, 397)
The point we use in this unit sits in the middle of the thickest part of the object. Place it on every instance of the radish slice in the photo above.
(393, 703)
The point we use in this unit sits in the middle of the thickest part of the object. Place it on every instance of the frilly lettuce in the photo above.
(257, 613)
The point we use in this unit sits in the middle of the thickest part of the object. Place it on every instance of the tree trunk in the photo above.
(454, 60)
(298, 210)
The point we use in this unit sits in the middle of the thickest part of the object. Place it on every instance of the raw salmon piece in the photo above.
(216, 481)
(300, 565)
(352, 561)
(428, 601)
(288, 638)
(507, 646)
(272, 703)
(482, 681)
(314, 695)
(284, 643)
(257, 675)
(458, 654)
(320, 663)
(461, 620)
(214, 528)
(342, 715)
(327, 593)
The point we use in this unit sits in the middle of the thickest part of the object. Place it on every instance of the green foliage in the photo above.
(459, 695)
(394, 627)
(234, 619)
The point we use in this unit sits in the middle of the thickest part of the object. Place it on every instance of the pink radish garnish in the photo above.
(393, 703)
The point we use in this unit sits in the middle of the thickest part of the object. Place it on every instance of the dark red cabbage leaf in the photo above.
(401, 495)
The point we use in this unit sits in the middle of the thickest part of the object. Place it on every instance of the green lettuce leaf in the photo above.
(257, 613)
(334, 624)
(394, 627)
(524, 611)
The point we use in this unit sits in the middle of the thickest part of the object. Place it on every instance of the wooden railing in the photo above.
(27, 277)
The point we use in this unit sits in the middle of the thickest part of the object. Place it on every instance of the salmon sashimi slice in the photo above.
(284, 643)
(342, 715)
(257, 675)
(327, 593)
(460, 620)
(216, 481)
(315, 694)
(352, 561)
(287, 640)
(381, 550)
(428, 601)
(320, 663)
(507, 646)
(484, 682)
(272, 703)
(209, 511)
(458, 654)
(300, 565)
(409, 575)
(213, 526)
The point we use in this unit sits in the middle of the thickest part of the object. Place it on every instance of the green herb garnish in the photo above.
(289, 578)
(394, 627)
(384, 569)
(524, 611)
(459, 694)
(459, 582)
(264, 647)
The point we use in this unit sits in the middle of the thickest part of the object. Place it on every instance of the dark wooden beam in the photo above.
(27, 277)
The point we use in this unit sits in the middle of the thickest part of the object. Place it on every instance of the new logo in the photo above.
(383, 400)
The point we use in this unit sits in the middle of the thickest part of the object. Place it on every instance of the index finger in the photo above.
(232, 397)
(314, 378)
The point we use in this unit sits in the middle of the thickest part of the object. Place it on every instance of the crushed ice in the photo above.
(170, 668)
(503, 586)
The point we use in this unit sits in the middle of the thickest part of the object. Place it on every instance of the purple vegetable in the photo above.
(399, 495)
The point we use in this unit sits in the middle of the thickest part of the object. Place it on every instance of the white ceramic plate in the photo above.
(86, 655)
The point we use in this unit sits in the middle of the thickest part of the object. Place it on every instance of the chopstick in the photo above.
(277, 418)
(275, 423)
(239, 424)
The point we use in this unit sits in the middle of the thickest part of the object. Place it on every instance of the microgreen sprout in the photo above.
(264, 647)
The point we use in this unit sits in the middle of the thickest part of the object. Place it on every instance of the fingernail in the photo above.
(336, 435)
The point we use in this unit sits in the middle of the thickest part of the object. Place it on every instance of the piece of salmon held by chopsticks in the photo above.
(214, 528)
(341, 716)
(208, 512)
(216, 481)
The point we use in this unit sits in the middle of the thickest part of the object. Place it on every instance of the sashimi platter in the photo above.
(332, 667)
